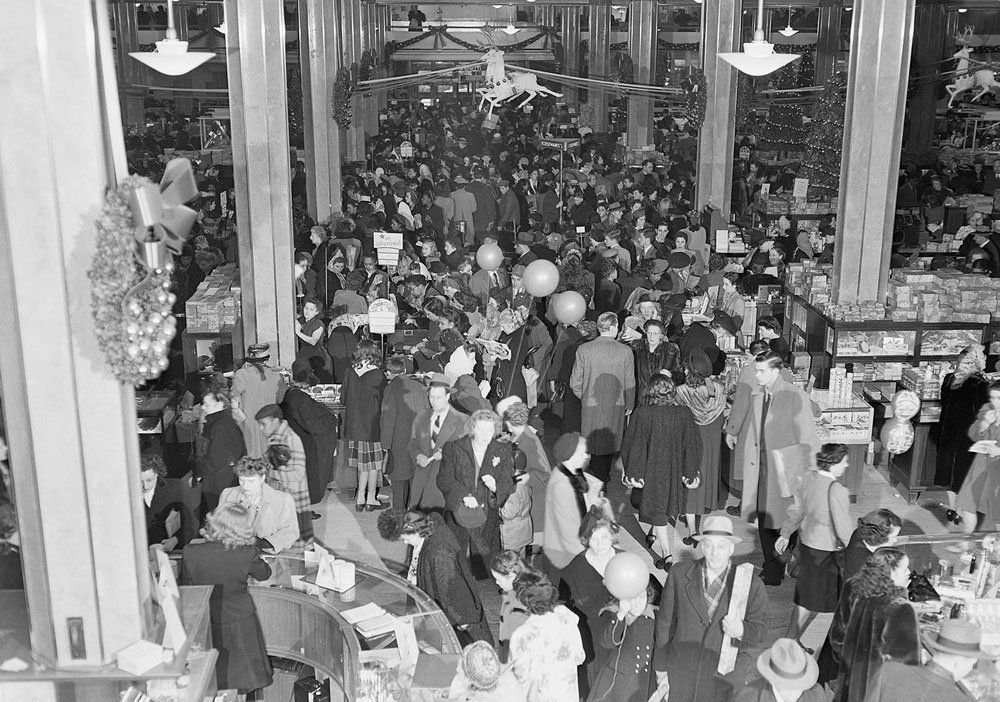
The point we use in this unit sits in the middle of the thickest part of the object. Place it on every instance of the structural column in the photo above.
(881, 35)
(130, 72)
(70, 424)
(599, 63)
(352, 46)
(368, 22)
(827, 42)
(931, 39)
(258, 104)
(720, 34)
(319, 48)
(642, 29)
(571, 50)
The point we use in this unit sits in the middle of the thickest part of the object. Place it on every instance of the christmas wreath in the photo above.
(139, 227)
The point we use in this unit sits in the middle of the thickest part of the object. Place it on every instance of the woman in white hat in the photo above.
(788, 675)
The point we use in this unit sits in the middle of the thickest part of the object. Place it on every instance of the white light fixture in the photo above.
(171, 56)
(789, 31)
(849, 9)
(510, 29)
(758, 57)
(222, 29)
(963, 10)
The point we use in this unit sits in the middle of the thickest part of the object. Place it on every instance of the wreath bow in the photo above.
(162, 207)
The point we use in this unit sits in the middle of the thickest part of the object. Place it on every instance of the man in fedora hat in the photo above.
(431, 430)
(954, 653)
(465, 207)
(788, 675)
(694, 617)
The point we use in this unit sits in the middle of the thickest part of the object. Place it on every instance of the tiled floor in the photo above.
(346, 531)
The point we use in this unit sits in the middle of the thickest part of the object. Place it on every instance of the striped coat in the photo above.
(291, 477)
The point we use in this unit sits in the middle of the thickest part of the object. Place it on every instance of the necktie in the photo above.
(763, 414)
(496, 279)
(435, 430)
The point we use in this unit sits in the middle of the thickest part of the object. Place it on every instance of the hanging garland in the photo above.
(391, 47)
(696, 89)
(343, 88)
(130, 298)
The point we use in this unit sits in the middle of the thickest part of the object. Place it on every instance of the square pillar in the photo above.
(71, 426)
(931, 41)
(642, 30)
(571, 51)
(881, 35)
(599, 63)
(720, 33)
(258, 104)
(352, 46)
(319, 49)
(827, 42)
(130, 72)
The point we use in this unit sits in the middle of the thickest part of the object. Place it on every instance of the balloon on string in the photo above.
(569, 307)
(626, 576)
(541, 278)
(897, 435)
(489, 257)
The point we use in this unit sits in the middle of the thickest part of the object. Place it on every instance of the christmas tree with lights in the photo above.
(783, 130)
(826, 138)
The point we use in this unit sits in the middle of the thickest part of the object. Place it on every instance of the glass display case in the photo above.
(306, 623)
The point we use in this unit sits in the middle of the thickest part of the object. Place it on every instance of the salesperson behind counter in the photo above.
(275, 523)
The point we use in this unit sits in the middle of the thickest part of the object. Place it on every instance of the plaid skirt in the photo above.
(367, 456)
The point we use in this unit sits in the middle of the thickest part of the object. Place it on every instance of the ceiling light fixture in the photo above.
(171, 56)
(789, 31)
(510, 29)
(963, 10)
(758, 57)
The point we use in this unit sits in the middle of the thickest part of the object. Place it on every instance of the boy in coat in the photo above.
(694, 616)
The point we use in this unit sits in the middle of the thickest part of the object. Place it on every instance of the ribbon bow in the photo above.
(162, 207)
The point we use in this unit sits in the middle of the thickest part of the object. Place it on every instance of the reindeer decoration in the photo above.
(964, 80)
(502, 86)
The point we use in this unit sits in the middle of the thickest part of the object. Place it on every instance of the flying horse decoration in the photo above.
(964, 80)
(502, 86)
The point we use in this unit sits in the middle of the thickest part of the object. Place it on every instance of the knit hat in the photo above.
(566, 446)
(481, 665)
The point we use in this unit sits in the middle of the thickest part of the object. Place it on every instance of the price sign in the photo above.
(406, 150)
(800, 188)
(388, 240)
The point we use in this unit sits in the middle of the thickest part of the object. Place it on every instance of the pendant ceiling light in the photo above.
(789, 31)
(510, 29)
(171, 56)
(758, 57)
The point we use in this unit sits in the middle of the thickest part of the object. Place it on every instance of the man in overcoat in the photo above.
(604, 380)
(431, 430)
(778, 442)
(405, 397)
(694, 616)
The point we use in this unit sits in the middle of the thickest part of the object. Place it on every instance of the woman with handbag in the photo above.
(820, 513)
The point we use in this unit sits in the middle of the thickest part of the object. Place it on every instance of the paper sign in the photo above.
(737, 610)
(169, 597)
(406, 642)
(388, 240)
(382, 317)
(406, 150)
(172, 523)
(765, 189)
(800, 188)
(722, 241)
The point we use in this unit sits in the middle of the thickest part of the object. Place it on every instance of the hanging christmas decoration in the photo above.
(824, 143)
(343, 88)
(695, 88)
(140, 228)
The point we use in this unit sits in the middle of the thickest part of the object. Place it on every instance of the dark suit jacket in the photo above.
(481, 282)
(688, 641)
(486, 206)
(510, 211)
(424, 491)
(404, 398)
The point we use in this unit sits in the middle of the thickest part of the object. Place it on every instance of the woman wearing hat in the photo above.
(255, 385)
(787, 675)
(438, 566)
(873, 623)
(706, 398)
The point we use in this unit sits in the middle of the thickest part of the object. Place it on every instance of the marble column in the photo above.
(827, 42)
(70, 425)
(258, 104)
(352, 46)
(319, 49)
(931, 44)
(642, 48)
(571, 51)
(600, 62)
(720, 34)
(130, 72)
(881, 36)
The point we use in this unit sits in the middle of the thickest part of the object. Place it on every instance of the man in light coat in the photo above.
(604, 380)
(465, 208)
(431, 430)
(778, 442)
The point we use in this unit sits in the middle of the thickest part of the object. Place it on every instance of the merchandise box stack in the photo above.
(926, 380)
(942, 296)
(859, 312)
(216, 302)
(786, 204)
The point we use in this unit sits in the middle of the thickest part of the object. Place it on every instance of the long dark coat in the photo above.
(626, 669)
(363, 404)
(604, 380)
(662, 443)
(236, 632)
(404, 398)
(223, 447)
(443, 573)
(316, 426)
(667, 356)
(958, 411)
(688, 641)
(865, 632)
(457, 478)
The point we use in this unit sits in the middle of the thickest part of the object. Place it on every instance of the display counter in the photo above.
(306, 623)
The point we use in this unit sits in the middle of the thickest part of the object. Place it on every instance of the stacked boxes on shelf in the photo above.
(216, 303)
(942, 296)
(785, 204)
(926, 380)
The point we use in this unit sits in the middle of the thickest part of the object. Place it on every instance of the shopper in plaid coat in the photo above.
(288, 473)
